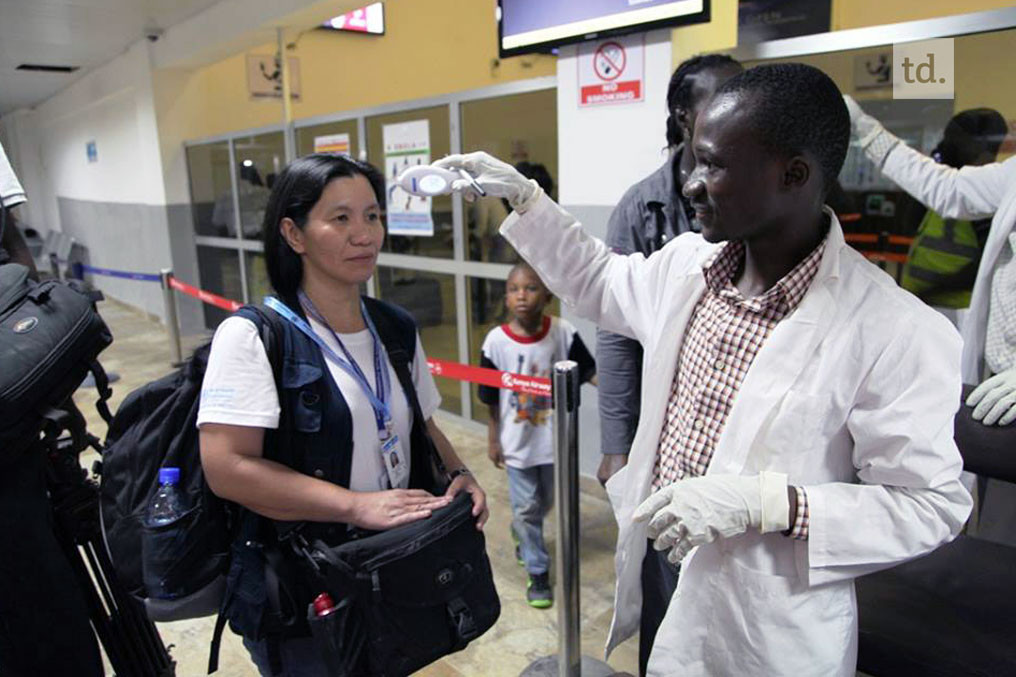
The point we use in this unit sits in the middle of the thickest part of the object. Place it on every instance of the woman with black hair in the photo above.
(317, 448)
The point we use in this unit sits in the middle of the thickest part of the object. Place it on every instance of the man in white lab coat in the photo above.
(797, 406)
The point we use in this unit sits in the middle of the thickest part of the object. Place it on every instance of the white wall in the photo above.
(604, 149)
(113, 106)
(116, 206)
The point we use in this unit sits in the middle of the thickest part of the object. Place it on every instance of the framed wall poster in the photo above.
(406, 144)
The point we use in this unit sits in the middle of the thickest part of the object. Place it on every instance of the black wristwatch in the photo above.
(452, 474)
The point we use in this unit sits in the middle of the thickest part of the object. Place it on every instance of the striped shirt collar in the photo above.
(720, 269)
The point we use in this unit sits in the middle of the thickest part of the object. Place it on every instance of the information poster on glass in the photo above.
(406, 144)
(332, 143)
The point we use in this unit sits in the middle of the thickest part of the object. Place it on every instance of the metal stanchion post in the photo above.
(566, 494)
(54, 266)
(569, 661)
(172, 325)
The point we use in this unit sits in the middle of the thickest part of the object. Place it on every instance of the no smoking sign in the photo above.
(611, 71)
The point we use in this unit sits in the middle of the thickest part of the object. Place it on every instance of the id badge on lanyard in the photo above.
(395, 462)
(389, 446)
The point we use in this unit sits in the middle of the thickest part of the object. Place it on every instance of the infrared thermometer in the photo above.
(428, 181)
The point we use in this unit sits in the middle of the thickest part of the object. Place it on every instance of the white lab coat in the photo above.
(967, 193)
(852, 396)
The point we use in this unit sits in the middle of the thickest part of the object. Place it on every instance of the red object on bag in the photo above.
(323, 604)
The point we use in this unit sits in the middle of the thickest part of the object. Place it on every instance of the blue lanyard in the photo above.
(378, 402)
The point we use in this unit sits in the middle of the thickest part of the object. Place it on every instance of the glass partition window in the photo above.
(259, 160)
(430, 298)
(441, 243)
(330, 136)
(219, 269)
(231, 183)
(258, 286)
(210, 186)
(521, 128)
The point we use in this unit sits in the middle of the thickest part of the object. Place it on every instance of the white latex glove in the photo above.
(869, 132)
(994, 401)
(699, 510)
(498, 179)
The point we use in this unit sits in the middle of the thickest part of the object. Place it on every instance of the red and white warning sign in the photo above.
(612, 71)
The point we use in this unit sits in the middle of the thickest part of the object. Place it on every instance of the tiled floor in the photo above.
(140, 353)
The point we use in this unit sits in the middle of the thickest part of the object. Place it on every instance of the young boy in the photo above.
(519, 431)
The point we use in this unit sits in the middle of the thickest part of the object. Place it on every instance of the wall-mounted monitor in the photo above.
(369, 19)
(540, 25)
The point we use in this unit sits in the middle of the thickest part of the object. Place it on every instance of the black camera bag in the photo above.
(50, 337)
(406, 596)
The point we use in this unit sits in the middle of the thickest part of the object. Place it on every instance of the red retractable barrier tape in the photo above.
(533, 385)
(205, 296)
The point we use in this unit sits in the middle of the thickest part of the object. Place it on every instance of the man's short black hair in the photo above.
(795, 108)
(680, 88)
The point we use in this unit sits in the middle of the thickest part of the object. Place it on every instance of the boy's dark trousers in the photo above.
(44, 623)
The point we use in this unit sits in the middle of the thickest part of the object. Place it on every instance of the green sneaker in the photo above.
(539, 594)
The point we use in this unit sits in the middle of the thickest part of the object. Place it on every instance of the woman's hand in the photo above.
(466, 482)
(379, 510)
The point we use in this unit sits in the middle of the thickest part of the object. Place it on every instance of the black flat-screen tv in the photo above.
(526, 26)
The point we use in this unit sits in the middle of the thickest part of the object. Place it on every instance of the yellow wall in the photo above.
(431, 47)
(859, 13)
(721, 33)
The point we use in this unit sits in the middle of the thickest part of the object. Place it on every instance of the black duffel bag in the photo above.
(50, 337)
(405, 597)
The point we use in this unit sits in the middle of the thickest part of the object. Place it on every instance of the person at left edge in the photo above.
(323, 231)
(44, 624)
(797, 428)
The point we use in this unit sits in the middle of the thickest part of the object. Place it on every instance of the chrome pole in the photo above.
(569, 661)
(172, 325)
(566, 495)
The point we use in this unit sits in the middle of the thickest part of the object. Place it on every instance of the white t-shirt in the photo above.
(526, 433)
(10, 188)
(239, 389)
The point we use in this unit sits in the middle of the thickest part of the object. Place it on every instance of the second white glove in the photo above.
(497, 178)
(874, 139)
(699, 510)
(994, 401)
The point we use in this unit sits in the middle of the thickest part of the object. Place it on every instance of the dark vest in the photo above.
(314, 437)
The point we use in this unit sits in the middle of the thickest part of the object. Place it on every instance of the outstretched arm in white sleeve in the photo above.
(622, 294)
(967, 193)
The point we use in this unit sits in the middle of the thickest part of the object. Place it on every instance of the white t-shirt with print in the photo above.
(239, 389)
(526, 423)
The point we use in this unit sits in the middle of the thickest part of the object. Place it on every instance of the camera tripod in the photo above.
(130, 640)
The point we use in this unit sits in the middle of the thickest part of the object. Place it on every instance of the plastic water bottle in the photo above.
(166, 506)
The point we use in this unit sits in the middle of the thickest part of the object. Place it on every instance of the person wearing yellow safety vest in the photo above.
(943, 258)
(989, 326)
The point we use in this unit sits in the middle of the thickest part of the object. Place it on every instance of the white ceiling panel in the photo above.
(82, 33)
